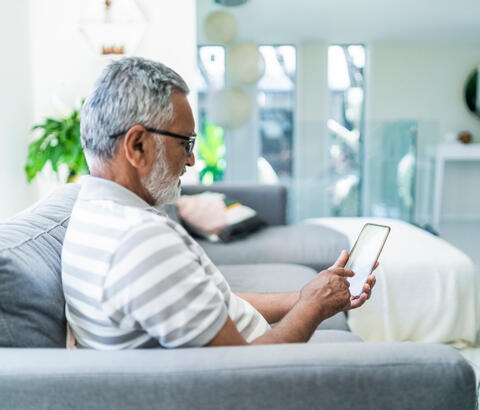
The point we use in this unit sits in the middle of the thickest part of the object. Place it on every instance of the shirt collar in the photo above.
(94, 188)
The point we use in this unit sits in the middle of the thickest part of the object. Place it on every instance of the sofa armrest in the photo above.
(270, 201)
(356, 376)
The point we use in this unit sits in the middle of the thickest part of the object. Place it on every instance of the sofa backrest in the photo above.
(32, 312)
(270, 201)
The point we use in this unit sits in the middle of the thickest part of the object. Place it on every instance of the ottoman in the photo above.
(427, 290)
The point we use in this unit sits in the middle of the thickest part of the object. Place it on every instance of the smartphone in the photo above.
(364, 255)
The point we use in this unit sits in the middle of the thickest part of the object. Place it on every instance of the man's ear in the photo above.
(139, 147)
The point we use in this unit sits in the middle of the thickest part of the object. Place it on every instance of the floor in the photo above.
(464, 235)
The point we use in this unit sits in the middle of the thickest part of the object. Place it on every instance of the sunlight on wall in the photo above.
(15, 107)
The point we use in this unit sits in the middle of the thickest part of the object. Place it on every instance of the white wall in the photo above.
(15, 106)
(426, 82)
(64, 67)
(423, 82)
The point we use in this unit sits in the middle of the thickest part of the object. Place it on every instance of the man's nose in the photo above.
(191, 160)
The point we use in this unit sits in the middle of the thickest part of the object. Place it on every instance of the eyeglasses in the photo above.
(190, 139)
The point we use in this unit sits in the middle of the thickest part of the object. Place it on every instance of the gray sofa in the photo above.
(310, 245)
(335, 371)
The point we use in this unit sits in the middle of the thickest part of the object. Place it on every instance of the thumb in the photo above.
(341, 260)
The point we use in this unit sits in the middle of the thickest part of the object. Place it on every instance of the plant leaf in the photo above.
(58, 143)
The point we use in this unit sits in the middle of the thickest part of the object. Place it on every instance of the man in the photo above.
(134, 278)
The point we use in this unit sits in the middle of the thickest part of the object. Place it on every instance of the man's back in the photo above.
(134, 278)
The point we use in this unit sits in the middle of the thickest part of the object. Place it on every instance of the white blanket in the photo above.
(427, 290)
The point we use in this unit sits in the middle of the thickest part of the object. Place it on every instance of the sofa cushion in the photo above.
(311, 245)
(215, 217)
(320, 376)
(269, 201)
(333, 336)
(31, 298)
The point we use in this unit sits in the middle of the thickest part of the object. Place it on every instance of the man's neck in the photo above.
(127, 180)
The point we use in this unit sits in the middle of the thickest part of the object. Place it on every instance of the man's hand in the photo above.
(356, 302)
(322, 297)
(327, 294)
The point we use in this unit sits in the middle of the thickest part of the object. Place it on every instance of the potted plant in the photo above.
(59, 144)
(211, 152)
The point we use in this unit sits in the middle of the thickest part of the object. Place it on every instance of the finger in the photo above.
(342, 272)
(366, 288)
(341, 260)
(368, 294)
(356, 303)
(371, 280)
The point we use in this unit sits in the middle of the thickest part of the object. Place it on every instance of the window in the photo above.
(346, 85)
(211, 147)
(276, 103)
(211, 75)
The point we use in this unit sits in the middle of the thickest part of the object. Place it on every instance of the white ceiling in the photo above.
(418, 21)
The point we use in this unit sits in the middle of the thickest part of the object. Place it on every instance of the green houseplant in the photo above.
(59, 144)
(211, 151)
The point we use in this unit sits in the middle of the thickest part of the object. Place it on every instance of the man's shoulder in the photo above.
(117, 220)
(125, 215)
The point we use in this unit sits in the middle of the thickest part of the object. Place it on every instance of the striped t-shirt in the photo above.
(134, 278)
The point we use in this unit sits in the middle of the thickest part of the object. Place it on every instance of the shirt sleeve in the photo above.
(157, 284)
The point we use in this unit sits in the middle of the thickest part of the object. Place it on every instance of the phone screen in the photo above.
(364, 254)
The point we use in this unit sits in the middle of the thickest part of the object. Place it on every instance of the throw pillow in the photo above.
(215, 217)
(32, 306)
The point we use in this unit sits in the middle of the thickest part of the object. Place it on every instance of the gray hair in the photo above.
(130, 91)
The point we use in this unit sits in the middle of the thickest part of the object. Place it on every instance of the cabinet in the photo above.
(449, 152)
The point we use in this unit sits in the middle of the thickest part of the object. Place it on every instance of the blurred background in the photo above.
(359, 108)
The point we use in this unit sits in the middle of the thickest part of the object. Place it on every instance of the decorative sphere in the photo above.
(220, 27)
(245, 64)
(229, 107)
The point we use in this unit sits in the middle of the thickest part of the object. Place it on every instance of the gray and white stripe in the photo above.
(134, 278)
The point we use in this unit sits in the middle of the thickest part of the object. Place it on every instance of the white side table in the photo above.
(450, 152)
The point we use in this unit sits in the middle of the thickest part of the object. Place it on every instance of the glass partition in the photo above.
(392, 162)
(399, 165)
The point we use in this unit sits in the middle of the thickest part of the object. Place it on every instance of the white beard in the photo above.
(163, 187)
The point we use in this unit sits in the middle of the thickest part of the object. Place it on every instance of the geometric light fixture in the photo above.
(112, 26)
